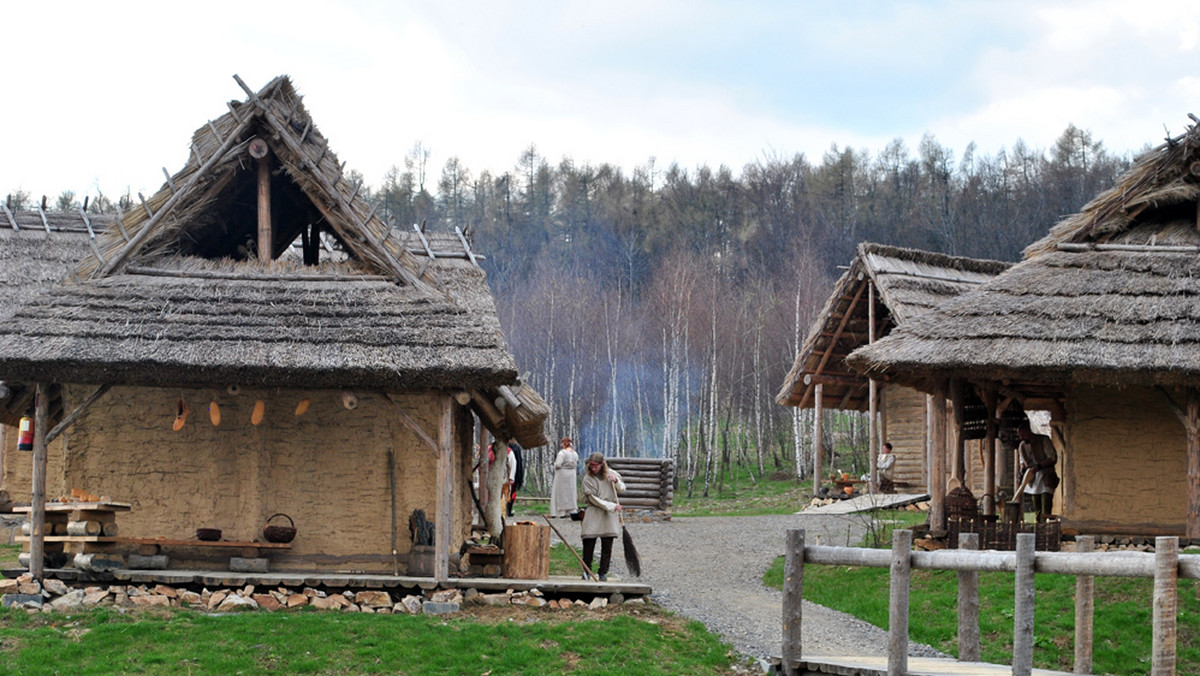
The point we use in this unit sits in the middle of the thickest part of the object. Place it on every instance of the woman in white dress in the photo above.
(563, 498)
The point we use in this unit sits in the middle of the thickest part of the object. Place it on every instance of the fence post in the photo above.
(1166, 597)
(1085, 603)
(1023, 604)
(793, 587)
(968, 604)
(898, 604)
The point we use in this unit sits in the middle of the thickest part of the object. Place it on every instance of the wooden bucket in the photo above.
(527, 551)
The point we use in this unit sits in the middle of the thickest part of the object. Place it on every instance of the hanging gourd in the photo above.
(302, 407)
(260, 407)
(181, 414)
(214, 413)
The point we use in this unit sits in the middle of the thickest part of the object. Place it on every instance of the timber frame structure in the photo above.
(259, 268)
(882, 288)
(1100, 326)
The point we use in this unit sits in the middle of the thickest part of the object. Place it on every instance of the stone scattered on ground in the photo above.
(55, 595)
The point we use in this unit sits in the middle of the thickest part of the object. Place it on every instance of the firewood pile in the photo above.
(649, 482)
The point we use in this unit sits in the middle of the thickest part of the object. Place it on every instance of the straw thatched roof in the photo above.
(176, 295)
(39, 248)
(907, 282)
(1110, 296)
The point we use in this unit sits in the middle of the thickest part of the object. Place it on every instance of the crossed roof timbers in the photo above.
(266, 146)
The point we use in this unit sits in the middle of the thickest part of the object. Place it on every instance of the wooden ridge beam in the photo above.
(11, 219)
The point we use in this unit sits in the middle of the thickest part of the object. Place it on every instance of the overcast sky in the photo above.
(103, 95)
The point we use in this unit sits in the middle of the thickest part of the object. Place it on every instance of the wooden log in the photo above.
(98, 562)
(969, 649)
(110, 529)
(1085, 586)
(527, 551)
(152, 562)
(56, 528)
(793, 604)
(901, 574)
(641, 502)
(38, 515)
(240, 564)
(1166, 606)
(1022, 664)
(88, 527)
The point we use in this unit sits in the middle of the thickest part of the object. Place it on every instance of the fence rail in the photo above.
(1165, 566)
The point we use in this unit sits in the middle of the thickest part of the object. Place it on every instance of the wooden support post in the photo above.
(484, 495)
(989, 453)
(1166, 605)
(265, 245)
(898, 604)
(793, 603)
(818, 402)
(37, 516)
(958, 444)
(1023, 604)
(872, 395)
(968, 604)
(1193, 465)
(1085, 604)
(445, 491)
(937, 469)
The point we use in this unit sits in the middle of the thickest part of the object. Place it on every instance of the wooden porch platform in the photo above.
(556, 585)
(868, 502)
(917, 666)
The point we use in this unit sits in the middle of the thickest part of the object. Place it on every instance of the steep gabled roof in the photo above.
(907, 282)
(176, 296)
(209, 207)
(1110, 296)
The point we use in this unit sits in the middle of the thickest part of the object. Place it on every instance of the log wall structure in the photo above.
(649, 482)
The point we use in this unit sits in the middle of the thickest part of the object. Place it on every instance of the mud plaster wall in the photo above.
(905, 411)
(17, 475)
(1127, 459)
(327, 469)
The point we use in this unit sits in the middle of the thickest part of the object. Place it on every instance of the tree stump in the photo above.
(527, 551)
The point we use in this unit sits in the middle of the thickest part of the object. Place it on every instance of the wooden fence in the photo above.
(649, 482)
(1165, 565)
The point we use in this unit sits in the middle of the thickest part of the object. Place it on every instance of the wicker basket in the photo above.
(274, 533)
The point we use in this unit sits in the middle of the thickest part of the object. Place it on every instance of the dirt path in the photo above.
(710, 569)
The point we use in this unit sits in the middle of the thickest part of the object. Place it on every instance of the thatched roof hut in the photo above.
(889, 286)
(1107, 301)
(905, 283)
(38, 248)
(260, 269)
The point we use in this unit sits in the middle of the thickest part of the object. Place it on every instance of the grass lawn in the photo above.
(1122, 631)
(483, 640)
(778, 493)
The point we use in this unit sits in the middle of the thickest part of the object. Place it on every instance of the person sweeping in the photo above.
(601, 518)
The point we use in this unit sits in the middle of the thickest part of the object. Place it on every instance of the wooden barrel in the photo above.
(527, 551)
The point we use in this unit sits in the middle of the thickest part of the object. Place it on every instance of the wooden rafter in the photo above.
(346, 206)
(408, 421)
(836, 335)
(140, 238)
(74, 415)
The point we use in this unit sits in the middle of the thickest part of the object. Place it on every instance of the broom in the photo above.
(633, 562)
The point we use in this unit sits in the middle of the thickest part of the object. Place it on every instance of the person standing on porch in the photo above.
(885, 467)
(563, 496)
(601, 520)
(1037, 454)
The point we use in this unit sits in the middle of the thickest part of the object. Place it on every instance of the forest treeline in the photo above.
(658, 311)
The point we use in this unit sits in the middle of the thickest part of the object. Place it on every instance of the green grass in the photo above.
(511, 641)
(738, 495)
(1122, 630)
(8, 555)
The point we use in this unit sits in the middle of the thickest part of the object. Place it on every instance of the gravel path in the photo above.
(711, 568)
